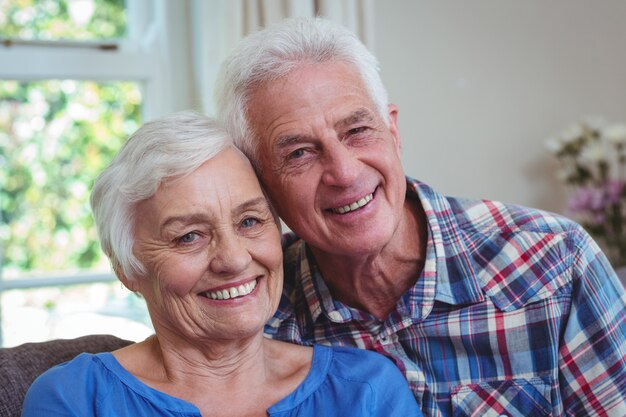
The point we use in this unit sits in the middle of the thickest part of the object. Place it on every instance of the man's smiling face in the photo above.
(330, 163)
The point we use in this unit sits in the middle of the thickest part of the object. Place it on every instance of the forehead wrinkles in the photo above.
(357, 116)
(209, 193)
(289, 107)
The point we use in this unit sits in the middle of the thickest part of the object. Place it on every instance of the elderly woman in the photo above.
(182, 217)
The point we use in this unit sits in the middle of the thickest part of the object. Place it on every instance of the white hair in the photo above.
(274, 52)
(171, 147)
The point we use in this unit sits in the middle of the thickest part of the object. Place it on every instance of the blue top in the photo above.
(341, 382)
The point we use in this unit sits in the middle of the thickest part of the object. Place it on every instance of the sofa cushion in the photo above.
(20, 365)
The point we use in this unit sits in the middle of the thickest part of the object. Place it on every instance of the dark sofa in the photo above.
(20, 365)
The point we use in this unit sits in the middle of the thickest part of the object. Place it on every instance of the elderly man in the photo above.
(488, 309)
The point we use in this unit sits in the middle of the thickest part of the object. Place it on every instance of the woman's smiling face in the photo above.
(211, 248)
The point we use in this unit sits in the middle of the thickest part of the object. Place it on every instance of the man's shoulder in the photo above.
(491, 216)
(520, 254)
(486, 216)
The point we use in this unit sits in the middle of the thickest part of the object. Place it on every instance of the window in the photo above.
(77, 77)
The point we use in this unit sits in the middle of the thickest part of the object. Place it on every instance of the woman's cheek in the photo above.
(178, 274)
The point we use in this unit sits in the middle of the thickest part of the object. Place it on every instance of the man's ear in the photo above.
(392, 117)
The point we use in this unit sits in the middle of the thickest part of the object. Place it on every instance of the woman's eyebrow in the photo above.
(184, 219)
(249, 204)
(203, 217)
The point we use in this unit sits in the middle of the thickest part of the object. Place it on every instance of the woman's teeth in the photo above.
(356, 205)
(233, 292)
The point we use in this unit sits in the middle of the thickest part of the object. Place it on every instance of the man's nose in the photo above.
(341, 165)
(230, 254)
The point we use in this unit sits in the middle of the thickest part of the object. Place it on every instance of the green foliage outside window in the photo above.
(55, 138)
(62, 19)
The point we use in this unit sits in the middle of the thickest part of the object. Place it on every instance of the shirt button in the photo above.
(335, 316)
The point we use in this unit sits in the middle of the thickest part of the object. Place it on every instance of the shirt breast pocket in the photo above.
(511, 398)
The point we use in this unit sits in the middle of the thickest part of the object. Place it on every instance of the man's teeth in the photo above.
(232, 292)
(356, 205)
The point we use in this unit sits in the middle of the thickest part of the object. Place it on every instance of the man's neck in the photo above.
(374, 283)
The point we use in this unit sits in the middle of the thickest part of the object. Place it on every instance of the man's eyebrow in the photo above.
(359, 115)
(285, 141)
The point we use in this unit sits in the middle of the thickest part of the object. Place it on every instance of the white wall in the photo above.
(481, 84)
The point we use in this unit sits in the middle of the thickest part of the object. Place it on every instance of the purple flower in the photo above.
(585, 199)
(614, 189)
(594, 201)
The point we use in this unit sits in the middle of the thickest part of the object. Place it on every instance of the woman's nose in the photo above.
(230, 255)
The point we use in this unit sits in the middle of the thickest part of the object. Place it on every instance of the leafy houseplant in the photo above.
(592, 157)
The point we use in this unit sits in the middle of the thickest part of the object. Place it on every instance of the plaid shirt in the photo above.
(516, 313)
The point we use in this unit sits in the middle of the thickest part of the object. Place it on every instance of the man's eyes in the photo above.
(298, 153)
(357, 130)
(188, 238)
(301, 155)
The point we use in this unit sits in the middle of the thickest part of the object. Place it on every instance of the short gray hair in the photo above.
(171, 147)
(274, 52)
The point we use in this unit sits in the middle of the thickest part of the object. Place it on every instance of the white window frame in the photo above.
(154, 54)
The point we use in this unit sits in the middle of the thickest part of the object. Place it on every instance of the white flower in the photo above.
(615, 133)
(571, 134)
(593, 153)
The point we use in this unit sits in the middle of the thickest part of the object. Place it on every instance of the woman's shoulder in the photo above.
(360, 363)
(83, 365)
(65, 382)
(350, 381)
(74, 373)
(90, 381)
(364, 370)
(358, 366)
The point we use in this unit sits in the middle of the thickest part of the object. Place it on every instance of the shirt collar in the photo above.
(317, 294)
(448, 259)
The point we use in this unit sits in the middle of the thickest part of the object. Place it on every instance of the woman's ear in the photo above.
(130, 283)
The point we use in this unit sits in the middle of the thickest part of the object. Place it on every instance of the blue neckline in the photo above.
(322, 356)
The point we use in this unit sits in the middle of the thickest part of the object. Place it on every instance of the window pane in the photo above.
(62, 19)
(56, 136)
(66, 312)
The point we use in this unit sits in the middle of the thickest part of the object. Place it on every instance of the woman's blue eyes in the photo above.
(249, 222)
(192, 237)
